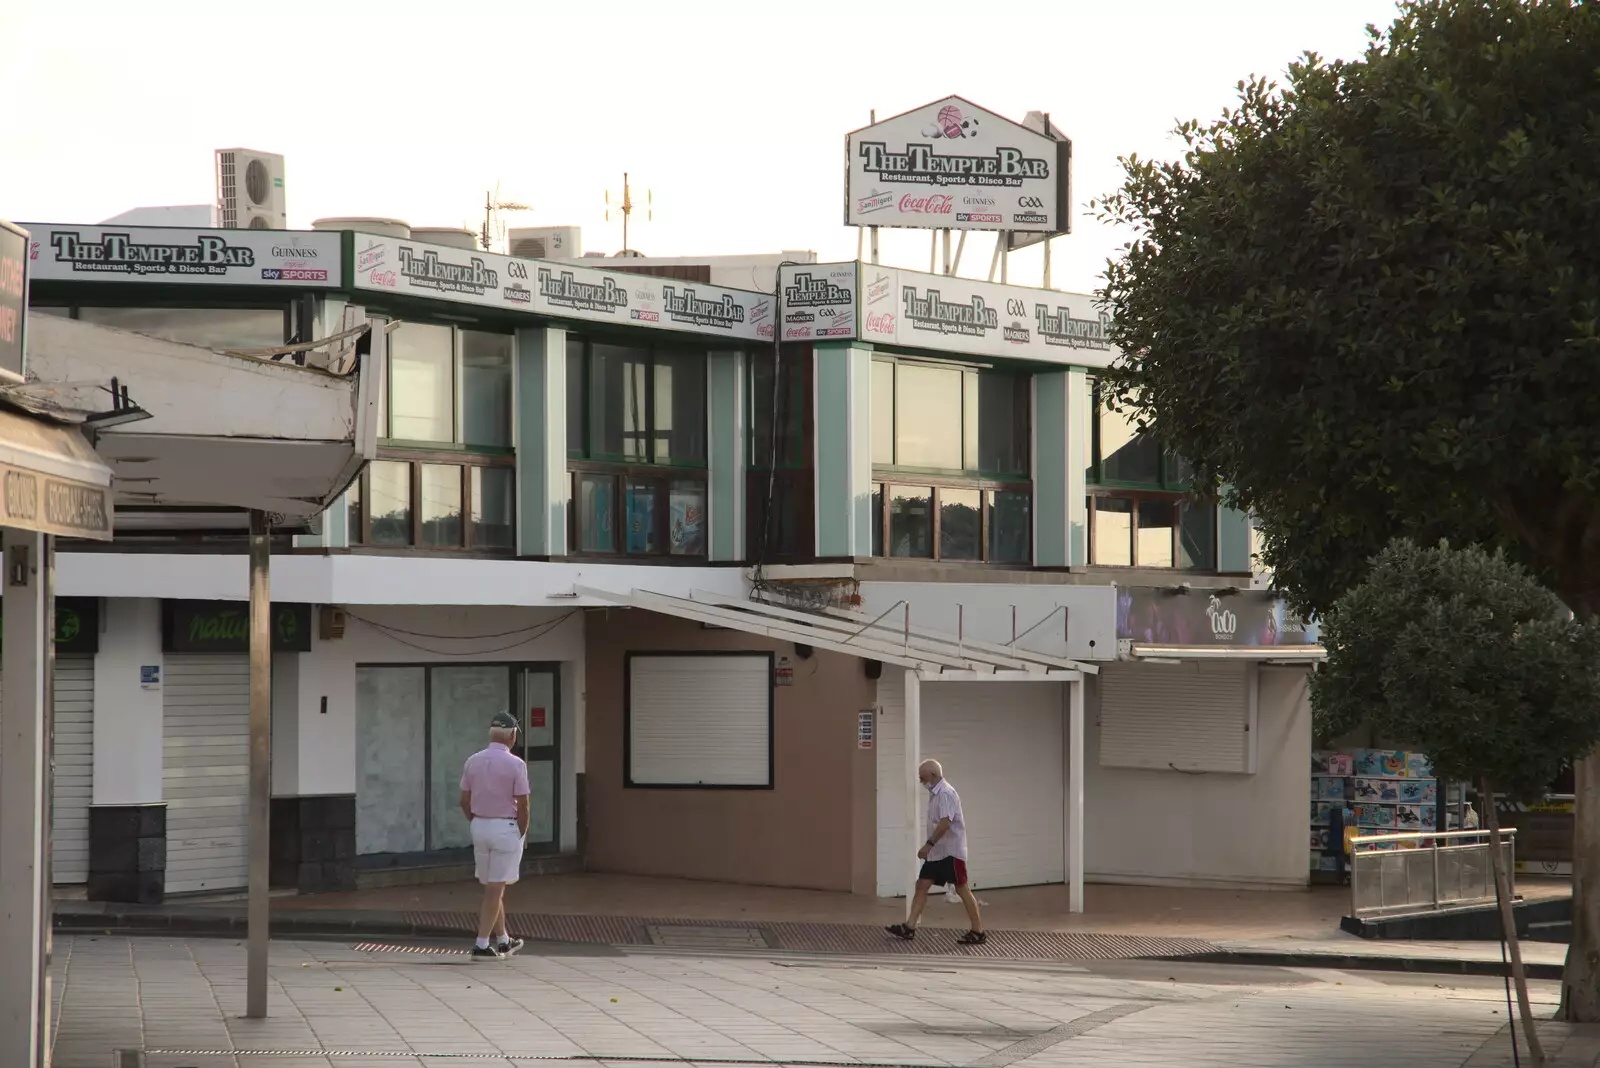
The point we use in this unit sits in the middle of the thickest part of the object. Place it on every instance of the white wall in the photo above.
(377, 580)
(1214, 829)
(127, 718)
(983, 610)
(326, 741)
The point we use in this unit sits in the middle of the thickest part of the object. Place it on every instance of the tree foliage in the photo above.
(1369, 303)
(1468, 656)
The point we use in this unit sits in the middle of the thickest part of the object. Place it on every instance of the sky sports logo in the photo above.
(963, 216)
(293, 274)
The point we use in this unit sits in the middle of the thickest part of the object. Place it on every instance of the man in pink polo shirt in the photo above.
(494, 796)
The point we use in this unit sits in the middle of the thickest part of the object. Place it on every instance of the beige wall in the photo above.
(814, 829)
(1146, 826)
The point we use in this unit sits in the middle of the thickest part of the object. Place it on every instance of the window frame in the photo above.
(662, 477)
(883, 484)
(628, 781)
(1022, 378)
(1167, 461)
(458, 374)
(360, 532)
(650, 347)
(1179, 502)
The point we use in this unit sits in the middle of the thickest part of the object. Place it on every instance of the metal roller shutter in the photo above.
(206, 777)
(1002, 748)
(700, 720)
(73, 778)
(74, 768)
(1193, 716)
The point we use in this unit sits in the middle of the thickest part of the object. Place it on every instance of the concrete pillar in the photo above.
(843, 425)
(1075, 744)
(1060, 457)
(1233, 541)
(543, 488)
(128, 760)
(25, 670)
(916, 798)
(726, 454)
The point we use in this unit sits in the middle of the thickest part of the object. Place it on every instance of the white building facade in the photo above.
(559, 439)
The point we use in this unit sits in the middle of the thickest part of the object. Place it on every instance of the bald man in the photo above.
(943, 856)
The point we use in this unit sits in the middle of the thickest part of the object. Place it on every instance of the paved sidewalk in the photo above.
(181, 1002)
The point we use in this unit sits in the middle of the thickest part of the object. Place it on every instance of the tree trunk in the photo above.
(1580, 983)
(1508, 925)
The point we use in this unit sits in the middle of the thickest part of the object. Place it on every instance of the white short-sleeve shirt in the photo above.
(945, 803)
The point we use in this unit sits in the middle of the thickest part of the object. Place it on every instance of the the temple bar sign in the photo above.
(30, 500)
(224, 627)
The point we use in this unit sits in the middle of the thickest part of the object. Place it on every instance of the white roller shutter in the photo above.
(206, 776)
(699, 720)
(74, 768)
(1002, 749)
(1193, 716)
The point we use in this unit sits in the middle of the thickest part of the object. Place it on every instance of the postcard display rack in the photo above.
(1391, 790)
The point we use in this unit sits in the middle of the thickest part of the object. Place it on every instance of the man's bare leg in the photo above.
(492, 912)
(499, 931)
(971, 904)
(919, 900)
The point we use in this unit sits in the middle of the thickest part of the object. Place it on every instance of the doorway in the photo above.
(416, 724)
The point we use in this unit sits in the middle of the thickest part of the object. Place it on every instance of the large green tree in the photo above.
(1470, 657)
(1369, 304)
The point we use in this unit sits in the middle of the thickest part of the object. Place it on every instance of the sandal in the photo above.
(973, 938)
(900, 930)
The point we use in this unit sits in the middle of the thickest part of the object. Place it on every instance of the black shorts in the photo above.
(947, 872)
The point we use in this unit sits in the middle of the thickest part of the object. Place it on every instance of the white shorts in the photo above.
(497, 849)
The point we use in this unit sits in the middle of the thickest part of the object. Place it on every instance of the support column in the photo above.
(259, 918)
(1060, 454)
(543, 489)
(916, 802)
(726, 455)
(843, 407)
(1233, 541)
(1075, 794)
(25, 712)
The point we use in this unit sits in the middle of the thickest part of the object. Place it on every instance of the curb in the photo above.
(1358, 963)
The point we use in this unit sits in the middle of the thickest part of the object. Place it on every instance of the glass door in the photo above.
(539, 742)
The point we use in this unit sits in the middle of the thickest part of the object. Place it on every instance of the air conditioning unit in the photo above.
(547, 243)
(250, 190)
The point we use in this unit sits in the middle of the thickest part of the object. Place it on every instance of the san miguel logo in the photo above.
(428, 271)
(121, 254)
(809, 292)
(974, 318)
(688, 308)
(919, 163)
(1060, 328)
(565, 291)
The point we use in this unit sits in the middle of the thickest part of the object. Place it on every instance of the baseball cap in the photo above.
(504, 721)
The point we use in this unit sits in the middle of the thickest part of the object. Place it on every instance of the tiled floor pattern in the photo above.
(334, 1005)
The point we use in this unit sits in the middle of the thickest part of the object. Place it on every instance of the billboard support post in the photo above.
(961, 246)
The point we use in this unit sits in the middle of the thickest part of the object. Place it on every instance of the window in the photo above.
(780, 456)
(448, 386)
(1128, 529)
(1141, 512)
(966, 432)
(434, 500)
(636, 440)
(698, 720)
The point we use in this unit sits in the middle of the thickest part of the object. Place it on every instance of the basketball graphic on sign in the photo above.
(951, 123)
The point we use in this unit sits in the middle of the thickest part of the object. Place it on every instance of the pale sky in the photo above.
(733, 114)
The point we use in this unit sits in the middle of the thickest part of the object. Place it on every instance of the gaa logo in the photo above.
(1029, 202)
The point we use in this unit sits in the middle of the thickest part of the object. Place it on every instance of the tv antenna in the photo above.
(626, 207)
(494, 228)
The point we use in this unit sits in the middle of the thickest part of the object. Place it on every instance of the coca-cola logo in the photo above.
(384, 278)
(881, 323)
(937, 204)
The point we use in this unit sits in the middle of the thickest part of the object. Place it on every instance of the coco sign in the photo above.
(224, 627)
(13, 299)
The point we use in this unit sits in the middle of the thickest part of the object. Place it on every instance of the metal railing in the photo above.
(1415, 873)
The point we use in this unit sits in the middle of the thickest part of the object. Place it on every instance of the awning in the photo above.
(933, 656)
(51, 480)
(1272, 654)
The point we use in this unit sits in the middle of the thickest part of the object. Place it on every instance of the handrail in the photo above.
(1417, 836)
